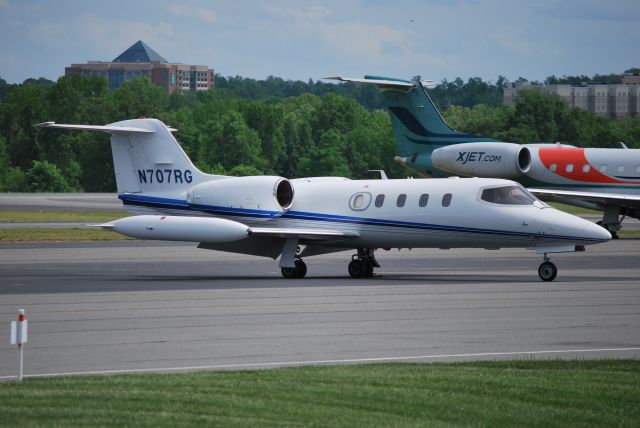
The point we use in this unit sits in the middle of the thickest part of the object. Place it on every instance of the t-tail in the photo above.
(147, 159)
(417, 124)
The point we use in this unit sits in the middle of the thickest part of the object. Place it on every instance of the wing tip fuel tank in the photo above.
(177, 228)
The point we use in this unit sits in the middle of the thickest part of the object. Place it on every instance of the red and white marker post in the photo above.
(19, 337)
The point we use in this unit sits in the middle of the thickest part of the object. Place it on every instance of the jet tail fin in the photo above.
(146, 156)
(417, 123)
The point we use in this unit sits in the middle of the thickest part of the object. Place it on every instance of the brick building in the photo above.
(141, 60)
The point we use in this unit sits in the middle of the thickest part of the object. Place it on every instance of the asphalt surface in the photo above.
(59, 201)
(140, 306)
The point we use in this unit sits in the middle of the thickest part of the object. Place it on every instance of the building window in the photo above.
(402, 198)
(379, 201)
(446, 200)
(424, 200)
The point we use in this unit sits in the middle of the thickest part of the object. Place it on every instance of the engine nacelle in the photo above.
(496, 160)
(253, 195)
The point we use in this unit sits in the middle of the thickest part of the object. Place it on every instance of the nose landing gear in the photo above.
(547, 270)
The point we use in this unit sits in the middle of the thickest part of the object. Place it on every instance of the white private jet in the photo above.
(601, 179)
(273, 216)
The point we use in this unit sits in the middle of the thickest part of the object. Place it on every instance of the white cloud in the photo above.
(47, 31)
(109, 34)
(311, 12)
(359, 41)
(200, 13)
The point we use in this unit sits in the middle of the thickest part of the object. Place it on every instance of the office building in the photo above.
(142, 61)
(613, 101)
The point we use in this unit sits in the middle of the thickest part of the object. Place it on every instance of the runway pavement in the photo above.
(60, 201)
(137, 306)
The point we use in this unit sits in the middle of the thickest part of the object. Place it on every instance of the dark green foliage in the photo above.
(544, 118)
(46, 177)
(468, 94)
(275, 126)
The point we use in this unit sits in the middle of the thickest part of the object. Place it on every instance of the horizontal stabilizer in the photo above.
(111, 129)
(381, 81)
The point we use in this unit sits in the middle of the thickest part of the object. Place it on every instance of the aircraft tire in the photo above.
(296, 272)
(547, 271)
(356, 268)
(301, 268)
(368, 268)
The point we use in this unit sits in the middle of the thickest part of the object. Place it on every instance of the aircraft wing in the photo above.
(599, 198)
(307, 234)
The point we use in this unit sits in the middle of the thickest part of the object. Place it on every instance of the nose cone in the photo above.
(570, 228)
(595, 233)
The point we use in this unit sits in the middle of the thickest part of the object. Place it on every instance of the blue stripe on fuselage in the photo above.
(157, 202)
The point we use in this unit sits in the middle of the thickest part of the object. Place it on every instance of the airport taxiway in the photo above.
(137, 305)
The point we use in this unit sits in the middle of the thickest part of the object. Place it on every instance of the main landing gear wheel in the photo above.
(547, 271)
(362, 263)
(360, 268)
(297, 272)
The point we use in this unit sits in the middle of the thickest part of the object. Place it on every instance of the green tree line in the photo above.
(244, 126)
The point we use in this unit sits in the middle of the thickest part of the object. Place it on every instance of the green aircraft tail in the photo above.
(417, 124)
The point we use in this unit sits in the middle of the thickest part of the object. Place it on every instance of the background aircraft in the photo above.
(607, 180)
(273, 216)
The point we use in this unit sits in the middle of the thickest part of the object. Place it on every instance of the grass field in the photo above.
(24, 234)
(60, 216)
(526, 393)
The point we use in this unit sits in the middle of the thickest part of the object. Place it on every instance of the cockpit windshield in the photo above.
(508, 195)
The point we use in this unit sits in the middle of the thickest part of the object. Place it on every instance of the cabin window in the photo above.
(424, 200)
(402, 198)
(379, 200)
(638, 170)
(360, 201)
(553, 167)
(446, 200)
(507, 195)
(603, 168)
(620, 168)
(569, 167)
(586, 168)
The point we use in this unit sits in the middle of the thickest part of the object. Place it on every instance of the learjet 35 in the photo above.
(275, 217)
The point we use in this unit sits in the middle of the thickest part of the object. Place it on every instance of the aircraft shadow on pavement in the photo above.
(125, 283)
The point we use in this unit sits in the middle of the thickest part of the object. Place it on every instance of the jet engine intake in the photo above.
(496, 160)
(260, 196)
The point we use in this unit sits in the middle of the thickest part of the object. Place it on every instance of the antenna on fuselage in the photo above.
(381, 174)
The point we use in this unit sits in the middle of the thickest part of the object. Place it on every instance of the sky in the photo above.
(301, 40)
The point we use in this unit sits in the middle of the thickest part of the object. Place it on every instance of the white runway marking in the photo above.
(321, 362)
